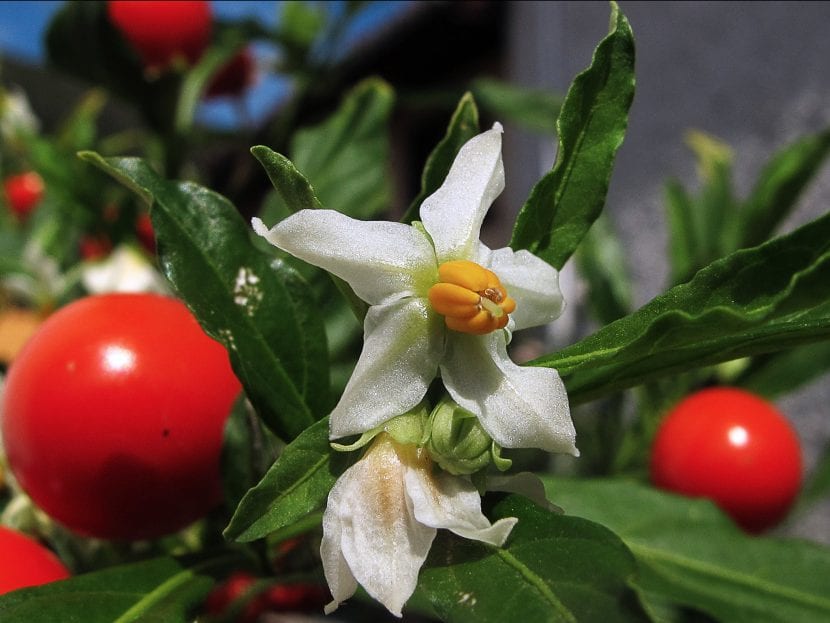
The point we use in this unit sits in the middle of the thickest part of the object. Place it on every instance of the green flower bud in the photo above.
(456, 441)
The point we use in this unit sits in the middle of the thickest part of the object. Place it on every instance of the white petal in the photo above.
(382, 261)
(380, 539)
(518, 406)
(453, 214)
(342, 583)
(442, 500)
(531, 282)
(403, 342)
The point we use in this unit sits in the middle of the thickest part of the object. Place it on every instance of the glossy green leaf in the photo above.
(756, 300)
(690, 553)
(294, 189)
(779, 185)
(463, 126)
(552, 569)
(345, 158)
(296, 485)
(261, 311)
(162, 589)
(534, 109)
(563, 204)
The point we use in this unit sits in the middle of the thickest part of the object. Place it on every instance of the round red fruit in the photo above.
(113, 416)
(26, 562)
(734, 448)
(23, 192)
(162, 31)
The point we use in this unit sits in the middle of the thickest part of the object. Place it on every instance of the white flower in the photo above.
(124, 270)
(382, 516)
(439, 300)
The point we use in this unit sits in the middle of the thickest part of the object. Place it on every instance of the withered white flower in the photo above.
(382, 516)
(124, 270)
(440, 300)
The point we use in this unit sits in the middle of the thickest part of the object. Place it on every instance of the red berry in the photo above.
(113, 416)
(145, 232)
(734, 448)
(26, 562)
(234, 77)
(23, 192)
(162, 31)
(94, 247)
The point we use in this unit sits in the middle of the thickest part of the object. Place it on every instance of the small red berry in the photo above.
(94, 247)
(734, 448)
(26, 562)
(162, 31)
(145, 232)
(234, 77)
(23, 192)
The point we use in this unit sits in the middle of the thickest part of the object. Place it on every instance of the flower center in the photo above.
(470, 297)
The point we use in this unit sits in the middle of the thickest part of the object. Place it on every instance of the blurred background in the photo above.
(752, 75)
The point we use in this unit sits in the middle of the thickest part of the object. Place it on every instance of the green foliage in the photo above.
(757, 300)
(295, 486)
(263, 313)
(591, 126)
(345, 157)
(162, 589)
(691, 554)
(552, 568)
(533, 109)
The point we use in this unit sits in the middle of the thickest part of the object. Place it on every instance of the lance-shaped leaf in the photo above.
(754, 301)
(552, 569)
(689, 553)
(779, 185)
(591, 127)
(261, 311)
(463, 126)
(162, 589)
(346, 157)
(295, 486)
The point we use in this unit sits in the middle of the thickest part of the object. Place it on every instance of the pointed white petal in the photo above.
(532, 283)
(381, 260)
(342, 583)
(441, 500)
(518, 406)
(403, 342)
(453, 214)
(380, 539)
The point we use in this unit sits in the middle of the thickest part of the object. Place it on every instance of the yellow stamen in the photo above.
(471, 298)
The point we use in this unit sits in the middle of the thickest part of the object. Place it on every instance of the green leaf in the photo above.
(756, 300)
(162, 589)
(690, 553)
(296, 485)
(780, 184)
(780, 373)
(294, 189)
(817, 487)
(591, 127)
(552, 568)
(601, 263)
(534, 109)
(684, 250)
(463, 126)
(262, 312)
(345, 158)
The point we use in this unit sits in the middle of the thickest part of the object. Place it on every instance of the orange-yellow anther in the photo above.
(471, 298)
